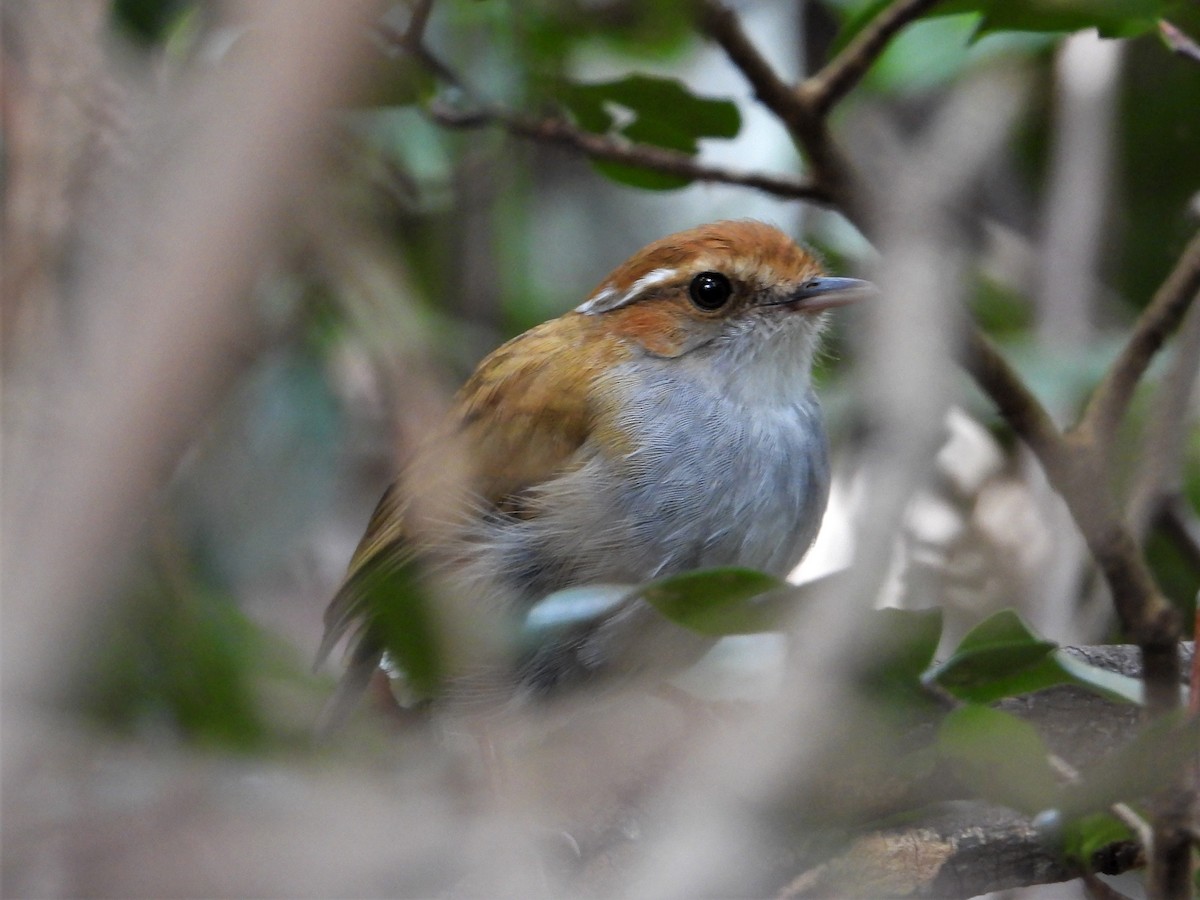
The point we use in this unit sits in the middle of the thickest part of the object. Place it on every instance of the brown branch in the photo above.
(598, 146)
(823, 90)
(1016, 403)
(1110, 400)
(556, 130)
(804, 109)
(1073, 468)
(830, 169)
(412, 41)
(724, 27)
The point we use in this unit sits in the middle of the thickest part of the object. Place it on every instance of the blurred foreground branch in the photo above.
(199, 826)
(160, 290)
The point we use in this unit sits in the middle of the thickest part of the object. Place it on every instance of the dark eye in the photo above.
(710, 290)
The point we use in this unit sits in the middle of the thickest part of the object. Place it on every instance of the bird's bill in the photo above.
(827, 292)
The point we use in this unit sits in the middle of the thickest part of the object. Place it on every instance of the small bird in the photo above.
(667, 423)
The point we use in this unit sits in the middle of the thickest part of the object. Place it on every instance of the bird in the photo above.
(665, 424)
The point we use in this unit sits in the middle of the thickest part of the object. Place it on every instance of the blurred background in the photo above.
(244, 269)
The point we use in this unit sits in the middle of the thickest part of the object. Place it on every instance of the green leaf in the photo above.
(180, 655)
(1000, 657)
(1112, 18)
(394, 81)
(1086, 836)
(720, 602)
(1142, 767)
(1004, 627)
(903, 650)
(670, 103)
(399, 609)
(660, 112)
(1112, 685)
(150, 22)
(634, 176)
(1000, 757)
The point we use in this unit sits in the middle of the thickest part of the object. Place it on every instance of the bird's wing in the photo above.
(519, 421)
(528, 409)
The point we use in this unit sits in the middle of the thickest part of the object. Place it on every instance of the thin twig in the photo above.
(830, 170)
(412, 41)
(1110, 400)
(823, 90)
(556, 130)
(553, 130)
(723, 26)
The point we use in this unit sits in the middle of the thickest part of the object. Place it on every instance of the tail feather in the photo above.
(363, 662)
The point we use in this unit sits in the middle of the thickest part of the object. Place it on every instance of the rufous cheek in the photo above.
(657, 327)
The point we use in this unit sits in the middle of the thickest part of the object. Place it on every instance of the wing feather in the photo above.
(520, 420)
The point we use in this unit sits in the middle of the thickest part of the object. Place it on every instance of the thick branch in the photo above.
(1074, 471)
(1110, 400)
(1016, 403)
(598, 146)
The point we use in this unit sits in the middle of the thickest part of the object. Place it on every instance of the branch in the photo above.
(723, 26)
(823, 90)
(1016, 403)
(1075, 471)
(1110, 400)
(830, 170)
(412, 41)
(555, 130)
(646, 156)
(958, 849)
(804, 109)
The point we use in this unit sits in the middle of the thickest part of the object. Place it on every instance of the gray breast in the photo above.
(716, 482)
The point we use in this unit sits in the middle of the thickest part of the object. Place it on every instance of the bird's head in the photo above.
(731, 296)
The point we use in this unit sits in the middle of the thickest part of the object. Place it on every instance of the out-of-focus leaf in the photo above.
(902, 650)
(1112, 18)
(1000, 311)
(646, 179)
(672, 106)
(719, 602)
(1086, 836)
(1000, 757)
(550, 32)
(1145, 765)
(150, 22)
(398, 606)
(182, 658)
(400, 80)
(998, 657)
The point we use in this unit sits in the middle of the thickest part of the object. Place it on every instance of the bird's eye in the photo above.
(710, 290)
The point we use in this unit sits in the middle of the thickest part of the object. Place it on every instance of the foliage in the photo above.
(194, 660)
